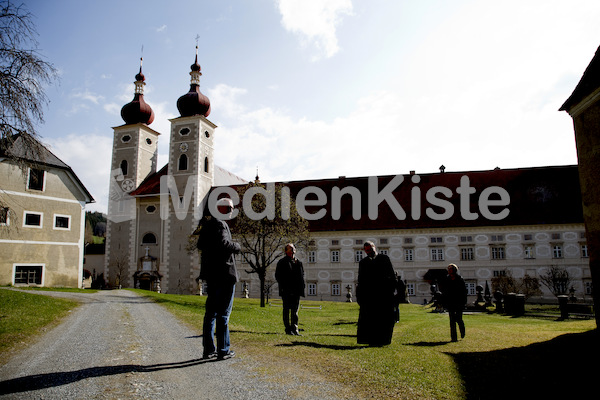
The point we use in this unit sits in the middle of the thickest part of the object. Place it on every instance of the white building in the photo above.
(42, 217)
(517, 222)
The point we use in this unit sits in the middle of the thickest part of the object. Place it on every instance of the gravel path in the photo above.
(119, 345)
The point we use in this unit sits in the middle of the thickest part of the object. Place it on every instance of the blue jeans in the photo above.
(216, 317)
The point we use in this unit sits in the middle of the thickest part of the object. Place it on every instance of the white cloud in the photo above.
(315, 21)
(87, 96)
(162, 28)
(89, 156)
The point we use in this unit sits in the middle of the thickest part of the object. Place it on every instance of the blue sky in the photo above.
(308, 89)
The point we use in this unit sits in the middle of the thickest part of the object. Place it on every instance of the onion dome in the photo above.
(138, 111)
(194, 102)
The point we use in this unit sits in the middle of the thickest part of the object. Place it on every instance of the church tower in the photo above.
(191, 175)
(134, 158)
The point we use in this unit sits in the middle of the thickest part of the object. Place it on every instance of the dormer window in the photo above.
(36, 179)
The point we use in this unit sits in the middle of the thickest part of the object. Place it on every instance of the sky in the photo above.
(310, 89)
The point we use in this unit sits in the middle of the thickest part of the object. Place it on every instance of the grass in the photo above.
(501, 357)
(23, 316)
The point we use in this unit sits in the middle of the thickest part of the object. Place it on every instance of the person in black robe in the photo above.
(375, 296)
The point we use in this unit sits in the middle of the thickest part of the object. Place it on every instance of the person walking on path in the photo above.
(454, 298)
(218, 270)
(375, 296)
(290, 278)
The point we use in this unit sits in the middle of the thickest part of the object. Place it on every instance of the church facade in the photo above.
(532, 220)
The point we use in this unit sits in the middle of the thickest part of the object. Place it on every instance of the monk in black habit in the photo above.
(375, 295)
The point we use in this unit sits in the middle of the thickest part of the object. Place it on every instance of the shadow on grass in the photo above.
(429, 344)
(320, 345)
(346, 323)
(53, 379)
(255, 333)
(564, 367)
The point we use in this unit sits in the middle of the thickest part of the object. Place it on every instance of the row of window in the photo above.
(437, 253)
(34, 219)
(335, 288)
(463, 239)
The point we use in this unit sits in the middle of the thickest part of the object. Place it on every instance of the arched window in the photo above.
(205, 164)
(124, 167)
(183, 162)
(149, 238)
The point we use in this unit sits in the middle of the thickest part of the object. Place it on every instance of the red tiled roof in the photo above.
(544, 195)
(151, 185)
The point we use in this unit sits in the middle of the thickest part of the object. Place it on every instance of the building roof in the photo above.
(543, 195)
(151, 185)
(589, 82)
(22, 146)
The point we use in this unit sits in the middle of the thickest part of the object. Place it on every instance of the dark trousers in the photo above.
(456, 318)
(216, 318)
(291, 305)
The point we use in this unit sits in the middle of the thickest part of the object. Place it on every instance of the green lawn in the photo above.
(24, 315)
(501, 356)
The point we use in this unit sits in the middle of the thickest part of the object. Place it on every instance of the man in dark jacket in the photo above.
(290, 278)
(375, 295)
(218, 271)
(454, 298)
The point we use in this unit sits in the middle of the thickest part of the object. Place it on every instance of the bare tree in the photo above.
(263, 239)
(506, 283)
(119, 266)
(529, 286)
(557, 279)
(23, 76)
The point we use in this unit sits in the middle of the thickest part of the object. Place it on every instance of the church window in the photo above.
(467, 253)
(498, 253)
(584, 249)
(148, 140)
(183, 162)
(437, 254)
(149, 238)
(206, 134)
(336, 289)
(557, 251)
(335, 256)
(151, 209)
(125, 138)
(124, 167)
(184, 131)
(358, 255)
(205, 164)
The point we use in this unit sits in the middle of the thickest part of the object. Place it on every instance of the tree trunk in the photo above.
(262, 289)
